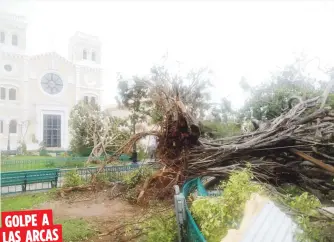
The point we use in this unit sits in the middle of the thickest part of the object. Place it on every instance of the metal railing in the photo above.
(44, 163)
(110, 173)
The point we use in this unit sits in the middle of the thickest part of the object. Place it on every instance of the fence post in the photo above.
(24, 186)
(180, 213)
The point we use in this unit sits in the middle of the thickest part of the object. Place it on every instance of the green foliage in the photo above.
(4, 156)
(330, 100)
(132, 179)
(103, 178)
(270, 98)
(218, 129)
(22, 148)
(72, 179)
(50, 164)
(161, 227)
(223, 112)
(216, 215)
(80, 123)
(135, 97)
(44, 152)
(76, 229)
(292, 190)
(141, 154)
(135, 177)
(307, 207)
(73, 164)
(305, 203)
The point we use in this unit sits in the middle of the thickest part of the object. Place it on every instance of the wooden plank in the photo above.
(313, 160)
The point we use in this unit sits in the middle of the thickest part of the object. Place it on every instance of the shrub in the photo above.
(216, 215)
(73, 179)
(50, 164)
(137, 176)
(161, 227)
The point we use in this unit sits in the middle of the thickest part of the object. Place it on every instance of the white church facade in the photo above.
(38, 92)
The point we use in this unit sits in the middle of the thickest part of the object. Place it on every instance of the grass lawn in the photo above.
(29, 157)
(23, 202)
(75, 229)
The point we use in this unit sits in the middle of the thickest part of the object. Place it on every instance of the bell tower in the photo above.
(84, 49)
(12, 33)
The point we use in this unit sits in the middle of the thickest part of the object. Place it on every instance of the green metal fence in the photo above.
(45, 163)
(110, 173)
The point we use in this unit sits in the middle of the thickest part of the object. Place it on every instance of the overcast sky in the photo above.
(233, 39)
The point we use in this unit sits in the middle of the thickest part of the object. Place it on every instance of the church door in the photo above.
(52, 130)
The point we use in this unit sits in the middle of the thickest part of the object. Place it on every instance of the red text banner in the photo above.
(29, 226)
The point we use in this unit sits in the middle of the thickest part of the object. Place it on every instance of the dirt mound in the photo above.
(90, 204)
(97, 208)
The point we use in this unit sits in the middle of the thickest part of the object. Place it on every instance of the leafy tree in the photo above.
(133, 95)
(223, 112)
(269, 99)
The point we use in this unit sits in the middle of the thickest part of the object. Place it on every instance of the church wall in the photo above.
(51, 64)
(11, 77)
(41, 102)
(80, 77)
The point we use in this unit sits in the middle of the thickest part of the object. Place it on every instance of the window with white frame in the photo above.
(84, 55)
(90, 99)
(12, 94)
(3, 93)
(86, 99)
(52, 130)
(93, 100)
(1, 126)
(12, 127)
(93, 56)
(14, 40)
(2, 37)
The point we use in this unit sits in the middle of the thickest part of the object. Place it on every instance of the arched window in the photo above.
(3, 93)
(12, 94)
(13, 127)
(2, 37)
(14, 40)
(93, 100)
(93, 56)
(84, 55)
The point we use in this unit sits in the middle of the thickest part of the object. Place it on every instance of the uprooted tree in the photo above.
(294, 146)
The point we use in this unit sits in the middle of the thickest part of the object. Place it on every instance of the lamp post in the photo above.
(134, 148)
(8, 144)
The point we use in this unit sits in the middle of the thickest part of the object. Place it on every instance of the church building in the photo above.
(38, 92)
